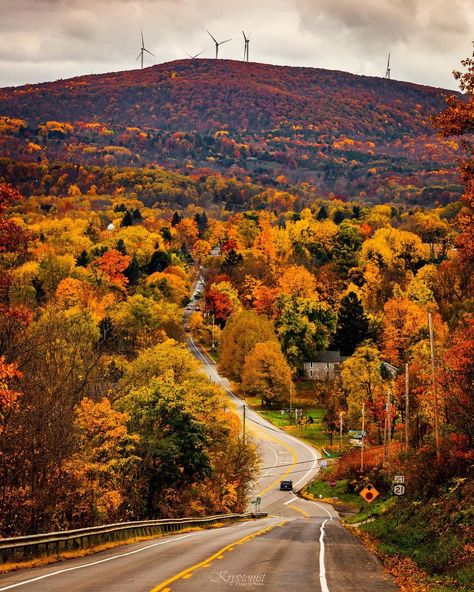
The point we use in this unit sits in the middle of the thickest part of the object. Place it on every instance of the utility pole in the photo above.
(363, 438)
(244, 410)
(389, 419)
(340, 431)
(291, 402)
(213, 340)
(433, 378)
(407, 406)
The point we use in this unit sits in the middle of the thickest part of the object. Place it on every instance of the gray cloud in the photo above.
(49, 39)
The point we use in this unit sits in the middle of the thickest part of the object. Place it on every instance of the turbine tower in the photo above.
(193, 57)
(217, 43)
(387, 72)
(246, 47)
(142, 51)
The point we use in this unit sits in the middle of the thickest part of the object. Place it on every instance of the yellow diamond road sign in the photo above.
(369, 493)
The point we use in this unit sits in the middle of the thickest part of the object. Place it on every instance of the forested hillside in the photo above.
(298, 130)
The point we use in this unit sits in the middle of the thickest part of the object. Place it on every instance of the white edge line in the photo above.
(313, 452)
(322, 569)
(84, 565)
(290, 500)
(322, 508)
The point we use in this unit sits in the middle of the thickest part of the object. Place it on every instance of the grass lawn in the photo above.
(322, 488)
(313, 433)
(213, 354)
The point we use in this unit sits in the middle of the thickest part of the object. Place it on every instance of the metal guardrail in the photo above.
(29, 547)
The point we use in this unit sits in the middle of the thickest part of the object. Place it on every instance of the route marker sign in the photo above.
(369, 493)
(332, 483)
(399, 479)
(324, 464)
(399, 489)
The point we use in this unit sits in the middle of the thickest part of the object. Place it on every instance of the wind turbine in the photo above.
(193, 57)
(246, 47)
(142, 51)
(218, 43)
(387, 72)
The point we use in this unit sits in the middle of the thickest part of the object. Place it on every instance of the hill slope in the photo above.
(340, 132)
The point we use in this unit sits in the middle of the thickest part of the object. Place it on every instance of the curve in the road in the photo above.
(264, 430)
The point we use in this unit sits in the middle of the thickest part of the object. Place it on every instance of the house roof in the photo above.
(328, 356)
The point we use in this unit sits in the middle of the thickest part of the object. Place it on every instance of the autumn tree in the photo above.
(457, 119)
(297, 281)
(111, 267)
(458, 381)
(304, 326)
(12, 237)
(104, 462)
(404, 323)
(242, 332)
(363, 382)
(266, 373)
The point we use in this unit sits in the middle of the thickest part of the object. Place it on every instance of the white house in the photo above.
(324, 366)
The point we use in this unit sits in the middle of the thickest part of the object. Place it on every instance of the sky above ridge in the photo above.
(42, 40)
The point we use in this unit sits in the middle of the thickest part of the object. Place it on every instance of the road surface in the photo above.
(300, 547)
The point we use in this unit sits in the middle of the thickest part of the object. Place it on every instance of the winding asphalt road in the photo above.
(300, 547)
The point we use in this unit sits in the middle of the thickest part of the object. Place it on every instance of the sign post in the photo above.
(369, 493)
(256, 503)
(399, 489)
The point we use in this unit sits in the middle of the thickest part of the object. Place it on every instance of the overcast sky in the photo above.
(44, 40)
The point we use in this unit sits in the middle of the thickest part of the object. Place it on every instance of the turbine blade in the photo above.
(200, 53)
(226, 41)
(215, 40)
(139, 55)
(152, 54)
(244, 36)
(143, 43)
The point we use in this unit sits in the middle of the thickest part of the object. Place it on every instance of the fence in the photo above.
(29, 547)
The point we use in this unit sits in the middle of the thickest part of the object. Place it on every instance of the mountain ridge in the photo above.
(340, 133)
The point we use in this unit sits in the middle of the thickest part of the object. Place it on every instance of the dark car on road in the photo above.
(286, 485)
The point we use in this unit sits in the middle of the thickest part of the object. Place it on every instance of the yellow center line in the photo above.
(186, 573)
(290, 449)
(261, 431)
(305, 514)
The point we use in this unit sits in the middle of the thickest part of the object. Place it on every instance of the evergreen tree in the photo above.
(158, 262)
(232, 259)
(127, 219)
(202, 222)
(83, 260)
(137, 215)
(176, 219)
(323, 213)
(166, 234)
(121, 248)
(133, 272)
(352, 325)
(339, 216)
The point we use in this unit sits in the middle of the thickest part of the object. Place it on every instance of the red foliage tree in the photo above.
(113, 264)
(458, 381)
(458, 119)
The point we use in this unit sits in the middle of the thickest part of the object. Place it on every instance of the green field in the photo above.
(314, 433)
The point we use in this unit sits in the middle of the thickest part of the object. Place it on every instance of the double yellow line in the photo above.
(188, 573)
